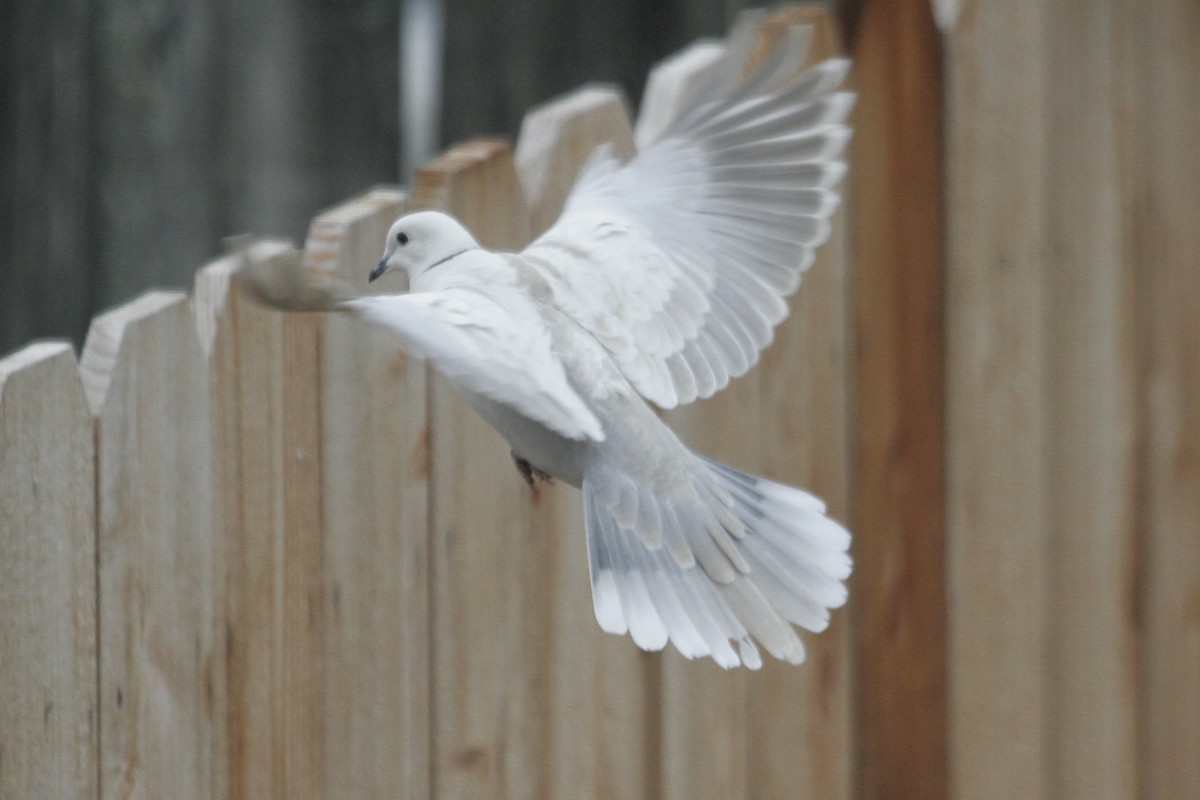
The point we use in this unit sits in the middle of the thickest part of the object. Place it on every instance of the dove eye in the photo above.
(402, 238)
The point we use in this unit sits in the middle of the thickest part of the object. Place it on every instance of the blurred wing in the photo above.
(482, 348)
(679, 261)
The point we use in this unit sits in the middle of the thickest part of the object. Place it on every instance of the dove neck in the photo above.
(450, 257)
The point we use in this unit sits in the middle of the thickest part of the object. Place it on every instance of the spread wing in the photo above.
(679, 262)
(479, 345)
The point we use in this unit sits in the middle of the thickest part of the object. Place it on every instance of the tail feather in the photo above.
(740, 559)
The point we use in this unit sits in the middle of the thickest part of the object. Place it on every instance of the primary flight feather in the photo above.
(663, 279)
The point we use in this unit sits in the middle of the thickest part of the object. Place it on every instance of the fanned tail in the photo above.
(736, 560)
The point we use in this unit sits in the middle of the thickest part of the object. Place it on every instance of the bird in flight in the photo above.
(663, 278)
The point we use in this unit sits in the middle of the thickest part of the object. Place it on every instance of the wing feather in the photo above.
(477, 343)
(680, 261)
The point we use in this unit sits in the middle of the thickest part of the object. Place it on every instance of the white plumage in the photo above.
(662, 280)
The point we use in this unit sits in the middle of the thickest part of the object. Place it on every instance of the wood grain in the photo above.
(1091, 641)
(896, 207)
(602, 715)
(374, 489)
(1160, 123)
(48, 635)
(490, 544)
(147, 385)
(557, 138)
(997, 490)
(786, 730)
(263, 380)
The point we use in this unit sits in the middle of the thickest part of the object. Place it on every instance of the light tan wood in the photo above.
(703, 724)
(784, 731)
(602, 714)
(489, 542)
(1092, 658)
(1159, 117)
(374, 506)
(896, 169)
(263, 368)
(997, 490)
(147, 385)
(557, 138)
(48, 736)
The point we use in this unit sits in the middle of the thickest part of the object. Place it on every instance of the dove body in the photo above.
(662, 280)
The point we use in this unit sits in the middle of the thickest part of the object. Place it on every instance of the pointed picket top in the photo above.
(557, 138)
(105, 336)
(336, 248)
(374, 507)
(47, 577)
(673, 84)
(147, 385)
(477, 183)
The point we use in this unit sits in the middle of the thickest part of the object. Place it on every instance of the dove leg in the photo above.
(528, 471)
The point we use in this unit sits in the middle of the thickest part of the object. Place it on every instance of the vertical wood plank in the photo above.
(490, 546)
(802, 436)
(263, 379)
(602, 712)
(1161, 132)
(48, 633)
(375, 493)
(785, 730)
(702, 723)
(997, 526)
(147, 384)
(896, 166)
(1091, 669)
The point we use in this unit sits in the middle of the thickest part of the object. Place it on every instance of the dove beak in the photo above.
(380, 268)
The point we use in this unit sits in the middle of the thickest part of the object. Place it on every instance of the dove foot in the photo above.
(530, 473)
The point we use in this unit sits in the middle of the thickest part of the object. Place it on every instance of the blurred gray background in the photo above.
(137, 134)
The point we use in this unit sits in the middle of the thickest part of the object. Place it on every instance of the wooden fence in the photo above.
(253, 555)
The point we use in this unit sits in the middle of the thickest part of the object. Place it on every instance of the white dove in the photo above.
(662, 280)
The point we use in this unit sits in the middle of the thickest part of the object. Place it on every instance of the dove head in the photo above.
(421, 241)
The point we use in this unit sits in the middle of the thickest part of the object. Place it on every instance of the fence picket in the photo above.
(896, 167)
(1091, 405)
(602, 717)
(1160, 121)
(374, 479)
(490, 540)
(147, 384)
(47, 578)
(556, 139)
(996, 417)
(263, 368)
